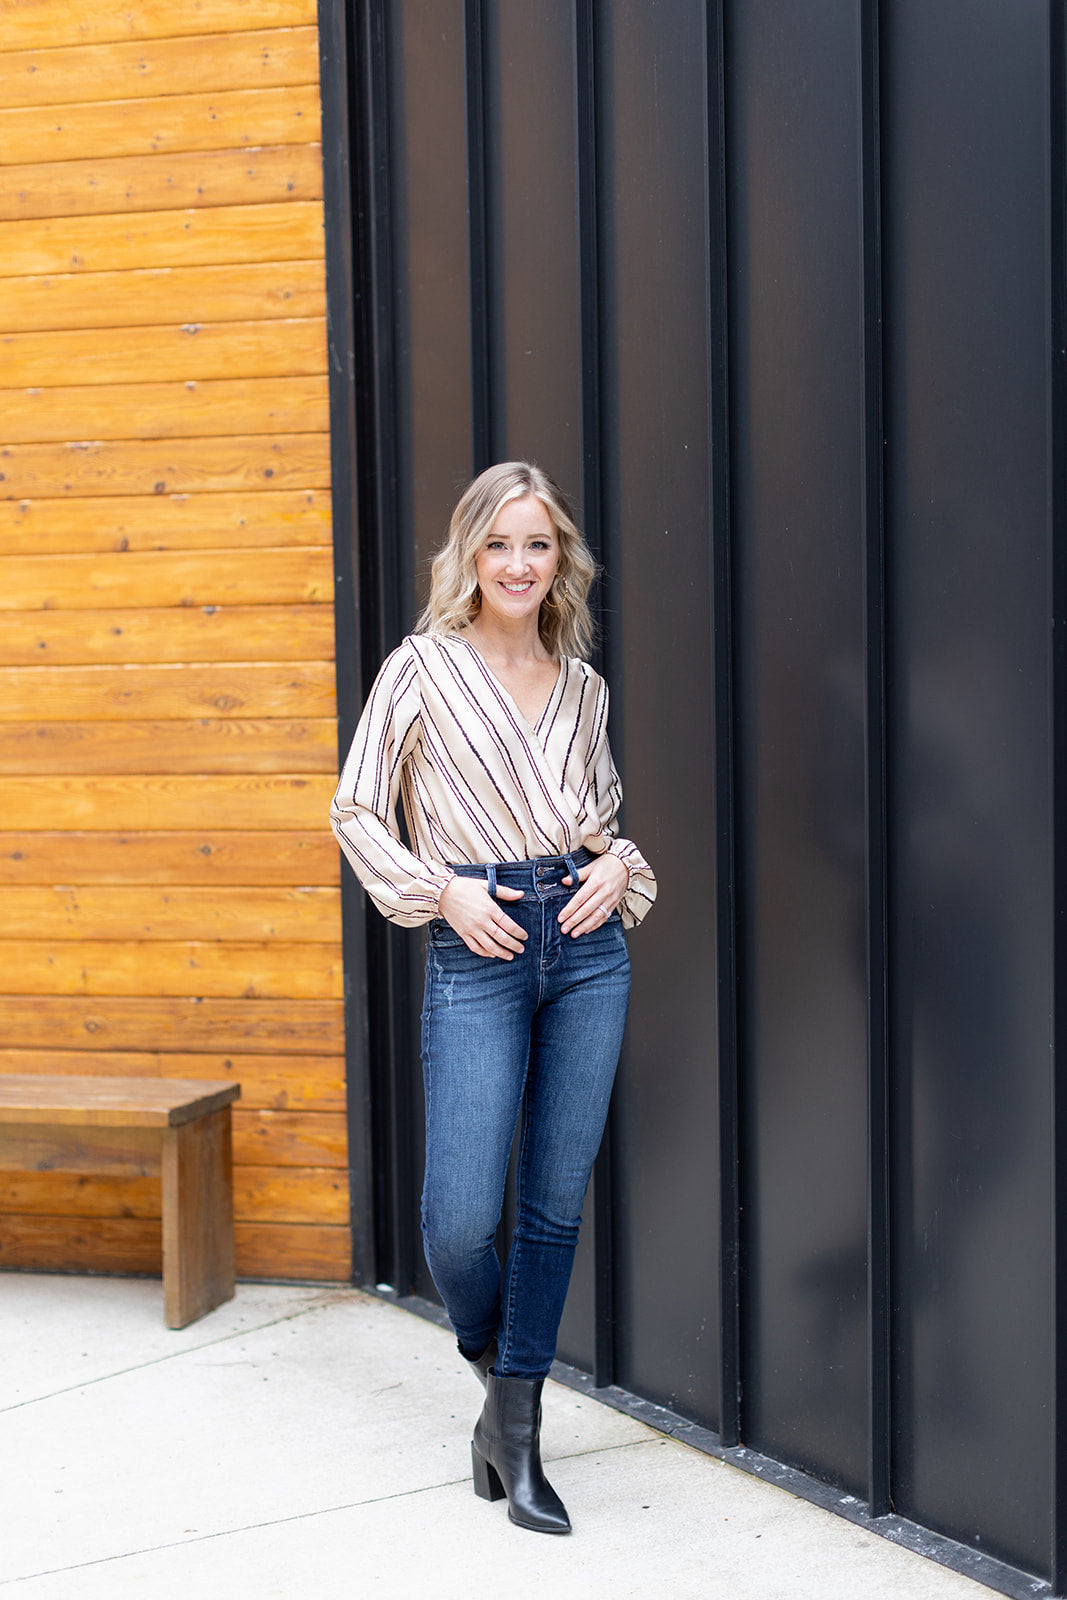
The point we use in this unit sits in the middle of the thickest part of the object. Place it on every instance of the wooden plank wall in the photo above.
(168, 886)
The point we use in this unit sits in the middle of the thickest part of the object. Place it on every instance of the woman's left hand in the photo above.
(602, 885)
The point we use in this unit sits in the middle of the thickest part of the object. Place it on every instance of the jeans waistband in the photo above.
(514, 874)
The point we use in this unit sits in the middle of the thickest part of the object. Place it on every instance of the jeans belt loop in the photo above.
(572, 869)
(490, 873)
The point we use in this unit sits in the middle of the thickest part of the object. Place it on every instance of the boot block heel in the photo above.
(487, 1484)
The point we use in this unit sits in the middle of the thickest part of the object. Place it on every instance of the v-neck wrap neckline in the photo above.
(504, 690)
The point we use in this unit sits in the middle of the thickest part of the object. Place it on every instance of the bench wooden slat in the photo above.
(110, 1102)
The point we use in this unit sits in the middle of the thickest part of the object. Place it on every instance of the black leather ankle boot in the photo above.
(506, 1455)
(481, 1367)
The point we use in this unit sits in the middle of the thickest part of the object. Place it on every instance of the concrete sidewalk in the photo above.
(300, 1442)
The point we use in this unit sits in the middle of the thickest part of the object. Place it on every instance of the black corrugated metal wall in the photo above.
(776, 292)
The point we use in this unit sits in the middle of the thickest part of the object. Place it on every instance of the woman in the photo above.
(491, 728)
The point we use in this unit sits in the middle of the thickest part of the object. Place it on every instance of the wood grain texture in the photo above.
(226, 119)
(79, 1194)
(176, 633)
(64, 1022)
(138, 523)
(105, 187)
(295, 347)
(141, 297)
(205, 746)
(291, 1194)
(257, 59)
(166, 619)
(130, 1244)
(216, 235)
(44, 1147)
(120, 1104)
(293, 915)
(144, 580)
(175, 689)
(165, 410)
(179, 802)
(173, 466)
(255, 971)
(289, 1139)
(81, 1244)
(28, 23)
(261, 1194)
(291, 1250)
(209, 856)
(198, 1250)
(268, 1082)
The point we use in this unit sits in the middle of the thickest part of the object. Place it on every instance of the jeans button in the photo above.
(540, 872)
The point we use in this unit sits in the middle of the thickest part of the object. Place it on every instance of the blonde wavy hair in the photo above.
(565, 623)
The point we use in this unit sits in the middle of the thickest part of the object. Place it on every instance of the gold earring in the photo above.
(554, 605)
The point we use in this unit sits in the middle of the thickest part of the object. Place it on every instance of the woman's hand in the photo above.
(484, 927)
(602, 885)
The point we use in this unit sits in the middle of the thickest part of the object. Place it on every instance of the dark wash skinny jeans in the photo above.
(539, 1035)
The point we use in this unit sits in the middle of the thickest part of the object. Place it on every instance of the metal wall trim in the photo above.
(724, 741)
(1057, 535)
(477, 192)
(334, 69)
(585, 114)
(878, 1226)
(382, 591)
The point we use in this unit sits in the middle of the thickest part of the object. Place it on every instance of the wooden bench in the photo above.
(178, 1128)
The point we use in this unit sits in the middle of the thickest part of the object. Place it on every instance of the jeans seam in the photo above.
(516, 1247)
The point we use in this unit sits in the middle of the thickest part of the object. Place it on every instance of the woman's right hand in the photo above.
(484, 927)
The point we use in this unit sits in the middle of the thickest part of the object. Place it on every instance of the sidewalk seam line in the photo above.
(300, 1516)
(174, 1355)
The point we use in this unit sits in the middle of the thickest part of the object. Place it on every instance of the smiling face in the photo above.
(517, 562)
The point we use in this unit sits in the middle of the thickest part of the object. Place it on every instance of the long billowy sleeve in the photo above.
(641, 890)
(363, 814)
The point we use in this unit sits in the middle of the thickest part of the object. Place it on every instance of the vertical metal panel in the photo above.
(729, 1408)
(1058, 571)
(421, 166)
(879, 1463)
(587, 99)
(484, 451)
(550, 241)
(532, 207)
(965, 123)
(428, 200)
(798, 506)
(657, 551)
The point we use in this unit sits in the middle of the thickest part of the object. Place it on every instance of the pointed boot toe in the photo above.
(506, 1455)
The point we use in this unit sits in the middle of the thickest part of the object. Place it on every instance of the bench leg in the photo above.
(198, 1257)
